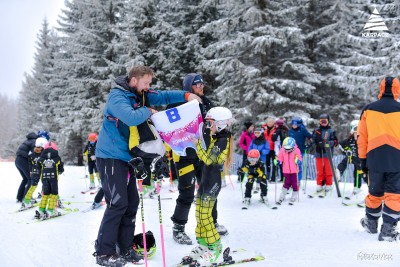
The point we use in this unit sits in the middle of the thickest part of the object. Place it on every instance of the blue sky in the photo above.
(20, 22)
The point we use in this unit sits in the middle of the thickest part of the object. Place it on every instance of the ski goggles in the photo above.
(252, 160)
(323, 121)
(257, 132)
(209, 124)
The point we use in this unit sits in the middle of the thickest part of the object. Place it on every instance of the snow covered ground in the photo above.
(313, 232)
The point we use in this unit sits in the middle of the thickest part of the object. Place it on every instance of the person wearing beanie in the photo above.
(189, 167)
(379, 152)
(245, 139)
(322, 136)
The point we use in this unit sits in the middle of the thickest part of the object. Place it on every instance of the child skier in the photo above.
(89, 154)
(262, 146)
(50, 167)
(322, 136)
(217, 154)
(255, 170)
(290, 158)
(34, 170)
(350, 149)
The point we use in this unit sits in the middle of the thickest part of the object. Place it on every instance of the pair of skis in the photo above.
(227, 260)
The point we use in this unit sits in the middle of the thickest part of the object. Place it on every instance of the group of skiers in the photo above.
(38, 159)
(128, 150)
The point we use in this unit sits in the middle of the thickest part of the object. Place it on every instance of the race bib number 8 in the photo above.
(173, 115)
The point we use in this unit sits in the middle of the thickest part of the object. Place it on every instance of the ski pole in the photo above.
(345, 179)
(140, 184)
(305, 171)
(158, 189)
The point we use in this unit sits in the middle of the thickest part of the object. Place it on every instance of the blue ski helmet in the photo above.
(44, 134)
(297, 121)
(289, 143)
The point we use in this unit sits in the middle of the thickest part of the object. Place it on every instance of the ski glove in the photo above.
(160, 168)
(364, 167)
(138, 168)
(277, 162)
(348, 153)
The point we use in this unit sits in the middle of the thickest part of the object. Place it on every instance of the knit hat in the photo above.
(197, 79)
(247, 124)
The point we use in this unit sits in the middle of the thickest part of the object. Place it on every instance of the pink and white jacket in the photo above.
(287, 159)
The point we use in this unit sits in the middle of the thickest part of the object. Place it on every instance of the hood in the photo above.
(31, 135)
(122, 83)
(188, 81)
(389, 87)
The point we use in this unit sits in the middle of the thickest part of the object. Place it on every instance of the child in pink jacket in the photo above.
(290, 158)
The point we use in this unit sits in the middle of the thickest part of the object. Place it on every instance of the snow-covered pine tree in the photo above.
(88, 33)
(258, 58)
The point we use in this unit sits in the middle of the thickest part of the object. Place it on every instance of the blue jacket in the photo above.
(122, 110)
(262, 146)
(300, 134)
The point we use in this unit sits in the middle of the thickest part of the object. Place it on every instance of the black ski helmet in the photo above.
(138, 244)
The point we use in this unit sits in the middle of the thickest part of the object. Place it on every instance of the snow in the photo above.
(313, 232)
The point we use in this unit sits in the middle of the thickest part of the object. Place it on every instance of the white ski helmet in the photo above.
(41, 142)
(353, 126)
(221, 116)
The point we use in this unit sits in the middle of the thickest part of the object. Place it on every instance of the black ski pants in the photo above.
(117, 227)
(23, 167)
(188, 172)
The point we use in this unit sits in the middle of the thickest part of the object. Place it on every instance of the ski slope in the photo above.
(313, 232)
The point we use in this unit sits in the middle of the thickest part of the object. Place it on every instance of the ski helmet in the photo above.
(50, 145)
(44, 134)
(353, 126)
(253, 156)
(41, 142)
(92, 137)
(324, 119)
(289, 143)
(259, 131)
(150, 244)
(221, 116)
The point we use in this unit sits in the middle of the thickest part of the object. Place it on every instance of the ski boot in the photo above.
(109, 260)
(388, 232)
(92, 185)
(132, 256)
(222, 231)
(39, 214)
(179, 235)
(60, 204)
(95, 205)
(205, 253)
(294, 197)
(25, 206)
(282, 196)
(371, 226)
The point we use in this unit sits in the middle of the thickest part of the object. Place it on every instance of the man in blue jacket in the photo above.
(301, 135)
(128, 104)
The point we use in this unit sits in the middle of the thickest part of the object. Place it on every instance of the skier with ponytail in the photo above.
(217, 153)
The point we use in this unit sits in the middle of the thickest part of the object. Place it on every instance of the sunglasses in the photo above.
(323, 121)
(257, 132)
(199, 85)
